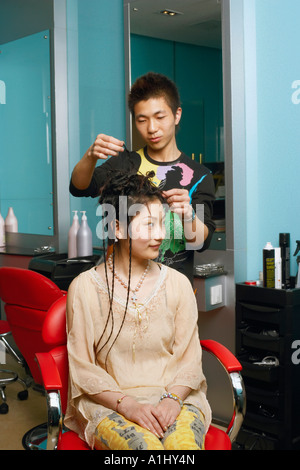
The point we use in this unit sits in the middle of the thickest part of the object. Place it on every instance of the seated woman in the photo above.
(135, 361)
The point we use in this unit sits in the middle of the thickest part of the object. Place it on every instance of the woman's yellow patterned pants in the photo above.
(186, 433)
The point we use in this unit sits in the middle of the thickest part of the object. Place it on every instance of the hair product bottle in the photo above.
(11, 223)
(84, 238)
(268, 266)
(284, 243)
(278, 268)
(2, 231)
(72, 236)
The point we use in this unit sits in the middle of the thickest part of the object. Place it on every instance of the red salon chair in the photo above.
(54, 370)
(27, 297)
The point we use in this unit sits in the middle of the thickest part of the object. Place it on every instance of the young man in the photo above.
(187, 186)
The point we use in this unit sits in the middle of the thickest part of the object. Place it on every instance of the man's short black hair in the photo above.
(154, 85)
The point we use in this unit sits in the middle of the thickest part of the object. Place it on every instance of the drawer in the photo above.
(255, 338)
(250, 440)
(266, 314)
(269, 425)
(268, 396)
(265, 373)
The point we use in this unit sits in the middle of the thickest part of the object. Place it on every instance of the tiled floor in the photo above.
(22, 415)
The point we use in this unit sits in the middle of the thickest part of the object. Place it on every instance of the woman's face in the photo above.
(146, 229)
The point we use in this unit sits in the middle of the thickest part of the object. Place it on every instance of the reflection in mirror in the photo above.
(25, 133)
(187, 47)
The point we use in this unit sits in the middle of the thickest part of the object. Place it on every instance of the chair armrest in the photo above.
(52, 384)
(228, 360)
(233, 368)
(49, 371)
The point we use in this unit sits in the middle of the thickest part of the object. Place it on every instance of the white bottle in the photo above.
(84, 238)
(72, 237)
(11, 223)
(2, 231)
(278, 270)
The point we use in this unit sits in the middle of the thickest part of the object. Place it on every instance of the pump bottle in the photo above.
(72, 237)
(11, 223)
(84, 238)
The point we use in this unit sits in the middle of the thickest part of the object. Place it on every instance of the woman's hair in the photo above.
(154, 85)
(138, 189)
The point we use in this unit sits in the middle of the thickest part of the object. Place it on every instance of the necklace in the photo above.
(124, 284)
(137, 306)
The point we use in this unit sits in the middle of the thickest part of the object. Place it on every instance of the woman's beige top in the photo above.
(154, 351)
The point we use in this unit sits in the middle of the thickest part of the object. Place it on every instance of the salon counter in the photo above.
(16, 257)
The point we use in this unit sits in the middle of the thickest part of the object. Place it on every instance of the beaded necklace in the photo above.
(138, 317)
(124, 284)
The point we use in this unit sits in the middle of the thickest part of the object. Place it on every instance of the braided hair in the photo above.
(138, 189)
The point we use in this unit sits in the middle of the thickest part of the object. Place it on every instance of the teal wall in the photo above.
(96, 82)
(197, 71)
(145, 56)
(268, 180)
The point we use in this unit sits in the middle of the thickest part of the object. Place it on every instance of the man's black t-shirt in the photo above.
(182, 173)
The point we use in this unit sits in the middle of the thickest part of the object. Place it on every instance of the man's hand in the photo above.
(179, 202)
(104, 146)
(195, 230)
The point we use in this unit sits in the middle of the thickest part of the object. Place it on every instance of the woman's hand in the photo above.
(169, 410)
(145, 415)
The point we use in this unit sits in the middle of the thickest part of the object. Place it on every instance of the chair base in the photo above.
(11, 377)
(36, 438)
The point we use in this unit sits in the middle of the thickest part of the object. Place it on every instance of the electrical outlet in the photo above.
(216, 294)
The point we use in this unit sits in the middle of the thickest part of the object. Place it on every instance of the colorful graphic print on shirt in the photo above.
(181, 175)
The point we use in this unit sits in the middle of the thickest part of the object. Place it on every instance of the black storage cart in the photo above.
(267, 333)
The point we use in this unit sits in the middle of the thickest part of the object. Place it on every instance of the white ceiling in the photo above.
(199, 23)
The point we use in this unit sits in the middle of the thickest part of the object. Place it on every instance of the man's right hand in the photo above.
(105, 146)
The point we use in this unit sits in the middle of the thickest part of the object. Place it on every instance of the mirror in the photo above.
(184, 42)
(25, 133)
(185, 46)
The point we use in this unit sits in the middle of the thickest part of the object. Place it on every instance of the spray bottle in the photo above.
(297, 280)
(84, 238)
(72, 237)
(269, 266)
